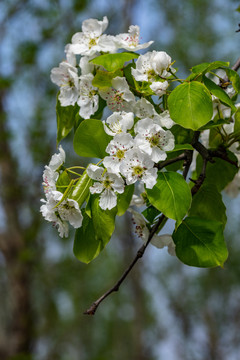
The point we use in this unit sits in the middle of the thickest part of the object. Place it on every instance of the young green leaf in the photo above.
(113, 62)
(190, 105)
(234, 78)
(219, 93)
(81, 189)
(171, 195)
(200, 242)
(124, 199)
(203, 68)
(90, 139)
(103, 79)
(65, 119)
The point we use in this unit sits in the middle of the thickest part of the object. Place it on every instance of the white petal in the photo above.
(108, 200)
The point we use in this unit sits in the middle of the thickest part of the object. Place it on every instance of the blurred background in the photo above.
(164, 310)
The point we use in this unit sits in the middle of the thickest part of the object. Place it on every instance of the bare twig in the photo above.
(165, 163)
(94, 306)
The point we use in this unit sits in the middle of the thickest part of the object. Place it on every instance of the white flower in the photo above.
(159, 87)
(144, 109)
(66, 76)
(50, 174)
(118, 122)
(57, 159)
(130, 41)
(68, 210)
(119, 97)
(153, 140)
(91, 41)
(161, 241)
(137, 200)
(107, 184)
(88, 99)
(138, 166)
(142, 231)
(117, 149)
(71, 57)
(151, 65)
(85, 66)
(139, 224)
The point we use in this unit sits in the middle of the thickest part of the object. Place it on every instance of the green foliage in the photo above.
(220, 173)
(207, 204)
(65, 119)
(171, 195)
(113, 62)
(90, 139)
(219, 93)
(103, 79)
(200, 242)
(190, 105)
(204, 68)
(125, 199)
(80, 190)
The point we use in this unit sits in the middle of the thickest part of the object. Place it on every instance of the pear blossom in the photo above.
(142, 231)
(130, 41)
(138, 166)
(50, 174)
(85, 66)
(118, 122)
(144, 109)
(151, 65)
(159, 87)
(67, 210)
(153, 140)
(118, 97)
(107, 184)
(91, 41)
(66, 76)
(70, 56)
(88, 99)
(117, 149)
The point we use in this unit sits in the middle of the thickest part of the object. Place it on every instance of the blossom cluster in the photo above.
(56, 209)
(140, 135)
(74, 76)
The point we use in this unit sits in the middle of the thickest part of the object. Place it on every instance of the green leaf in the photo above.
(128, 74)
(150, 213)
(190, 105)
(207, 204)
(219, 93)
(220, 173)
(103, 79)
(63, 181)
(182, 135)
(90, 139)
(237, 122)
(234, 78)
(86, 246)
(206, 67)
(171, 195)
(213, 124)
(215, 138)
(125, 199)
(81, 189)
(65, 119)
(179, 147)
(112, 62)
(200, 242)
(103, 220)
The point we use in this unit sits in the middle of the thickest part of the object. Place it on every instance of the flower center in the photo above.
(92, 42)
(154, 140)
(120, 154)
(107, 184)
(137, 170)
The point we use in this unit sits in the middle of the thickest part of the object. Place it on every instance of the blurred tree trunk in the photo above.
(13, 245)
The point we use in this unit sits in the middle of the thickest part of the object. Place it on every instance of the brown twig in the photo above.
(165, 163)
(94, 306)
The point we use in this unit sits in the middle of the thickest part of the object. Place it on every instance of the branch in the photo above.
(165, 163)
(141, 251)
